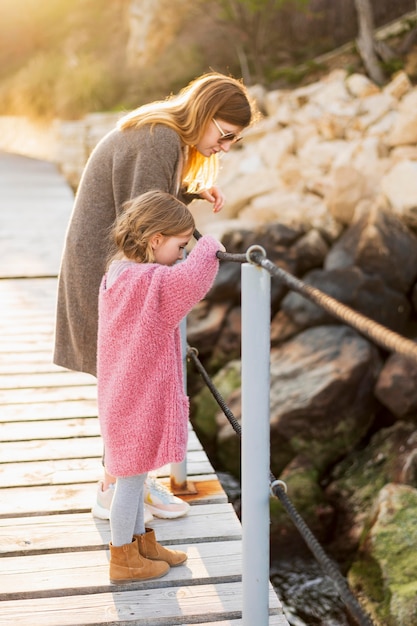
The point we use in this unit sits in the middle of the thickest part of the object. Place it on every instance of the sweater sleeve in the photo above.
(178, 288)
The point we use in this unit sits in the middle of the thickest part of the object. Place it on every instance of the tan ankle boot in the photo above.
(151, 549)
(127, 564)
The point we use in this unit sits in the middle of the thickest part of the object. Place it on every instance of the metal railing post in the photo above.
(179, 470)
(256, 318)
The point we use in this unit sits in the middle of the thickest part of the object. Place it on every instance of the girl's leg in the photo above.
(126, 513)
(140, 515)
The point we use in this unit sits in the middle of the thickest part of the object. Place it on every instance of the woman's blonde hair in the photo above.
(189, 114)
(151, 213)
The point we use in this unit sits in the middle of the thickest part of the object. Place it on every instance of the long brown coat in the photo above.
(123, 165)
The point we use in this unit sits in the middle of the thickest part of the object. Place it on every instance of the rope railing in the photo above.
(379, 334)
(382, 336)
(278, 489)
(385, 338)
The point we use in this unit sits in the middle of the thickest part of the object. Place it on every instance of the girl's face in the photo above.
(169, 249)
(219, 136)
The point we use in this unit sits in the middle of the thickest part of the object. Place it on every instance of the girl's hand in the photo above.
(215, 196)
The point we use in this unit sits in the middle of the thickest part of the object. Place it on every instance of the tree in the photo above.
(365, 41)
(254, 34)
(371, 50)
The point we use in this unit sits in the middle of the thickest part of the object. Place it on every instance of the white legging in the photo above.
(127, 509)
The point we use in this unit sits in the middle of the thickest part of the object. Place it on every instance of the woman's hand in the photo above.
(215, 196)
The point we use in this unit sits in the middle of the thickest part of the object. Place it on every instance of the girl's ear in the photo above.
(155, 241)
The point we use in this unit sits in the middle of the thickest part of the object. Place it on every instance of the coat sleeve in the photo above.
(178, 288)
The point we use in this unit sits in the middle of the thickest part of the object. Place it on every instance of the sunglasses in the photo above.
(232, 137)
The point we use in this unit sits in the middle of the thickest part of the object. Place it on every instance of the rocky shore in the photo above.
(326, 183)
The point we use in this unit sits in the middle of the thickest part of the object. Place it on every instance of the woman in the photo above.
(170, 145)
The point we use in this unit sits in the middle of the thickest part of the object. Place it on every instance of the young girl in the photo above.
(143, 409)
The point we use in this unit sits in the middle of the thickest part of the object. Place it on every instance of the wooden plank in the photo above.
(274, 620)
(51, 429)
(58, 378)
(69, 471)
(81, 531)
(72, 448)
(48, 394)
(28, 326)
(54, 499)
(47, 410)
(39, 473)
(35, 213)
(11, 346)
(70, 573)
(85, 447)
(39, 450)
(162, 607)
(63, 429)
(25, 365)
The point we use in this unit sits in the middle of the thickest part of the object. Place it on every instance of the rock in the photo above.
(379, 243)
(404, 129)
(205, 407)
(385, 573)
(355, 481)
(303, 488)
(321, 394)
(310, 251)
(399, 185)
(399, 85)
(364, 293)
(204, 324)
(396, 388)
(360, 86)
(347, 189)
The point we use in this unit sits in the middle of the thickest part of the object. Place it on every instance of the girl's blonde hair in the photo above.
(143, 217)
(189, 114)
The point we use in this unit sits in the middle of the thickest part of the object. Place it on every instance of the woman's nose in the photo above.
(225, 147)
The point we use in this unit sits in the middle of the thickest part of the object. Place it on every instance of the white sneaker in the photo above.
(101, 508)
(161, 502)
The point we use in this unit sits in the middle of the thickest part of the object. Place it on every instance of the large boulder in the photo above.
(384, 575)
(322, 403)
(379, 243)
(354, 483)
(362, 292)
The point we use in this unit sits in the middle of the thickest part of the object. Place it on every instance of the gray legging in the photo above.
(127, 509)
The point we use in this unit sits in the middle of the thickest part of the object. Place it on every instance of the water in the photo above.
(308, 596)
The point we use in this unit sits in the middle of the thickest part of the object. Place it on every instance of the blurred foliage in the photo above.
(255, 26)
(61, 57)
(66, 58)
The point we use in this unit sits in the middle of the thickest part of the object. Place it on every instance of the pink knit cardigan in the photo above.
(142, 406)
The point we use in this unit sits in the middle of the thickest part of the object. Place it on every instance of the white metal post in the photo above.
(256, 308)
(179, 470)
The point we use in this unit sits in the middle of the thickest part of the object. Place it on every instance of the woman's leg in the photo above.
(126, 512)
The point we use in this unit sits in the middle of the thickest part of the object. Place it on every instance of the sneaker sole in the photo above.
(99, 512)
(166, 514)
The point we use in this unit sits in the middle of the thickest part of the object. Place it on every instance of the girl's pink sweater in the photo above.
(142, 406)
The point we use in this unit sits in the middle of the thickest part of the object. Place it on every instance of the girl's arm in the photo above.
(179, 287)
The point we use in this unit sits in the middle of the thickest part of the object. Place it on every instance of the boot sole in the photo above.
(135, 580)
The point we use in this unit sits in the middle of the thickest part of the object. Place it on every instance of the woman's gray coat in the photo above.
(124, 164)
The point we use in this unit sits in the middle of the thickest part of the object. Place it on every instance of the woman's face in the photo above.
(169, 249)
(219, 136)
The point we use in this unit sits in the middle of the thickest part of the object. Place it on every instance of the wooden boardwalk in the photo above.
(54, 554)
